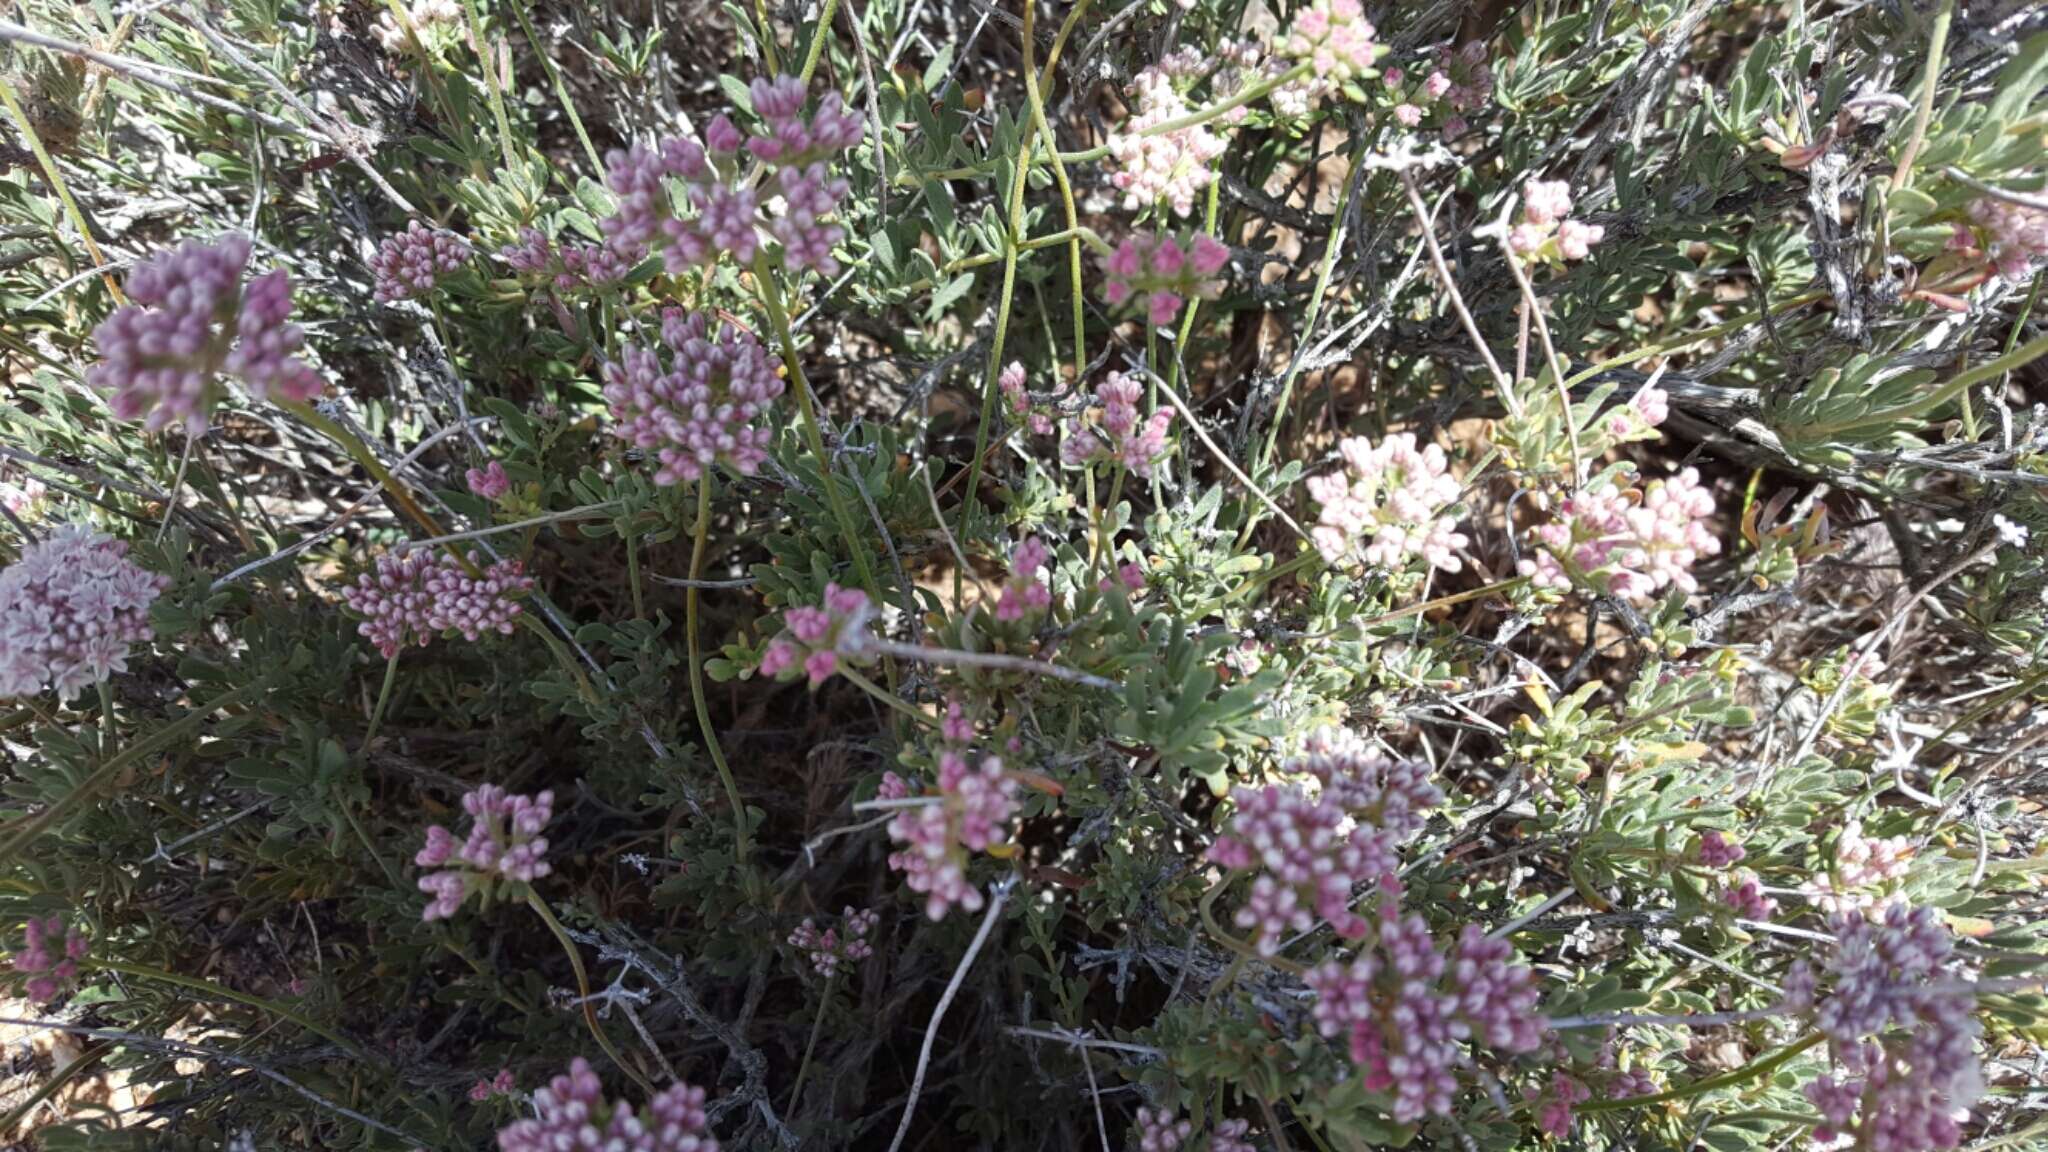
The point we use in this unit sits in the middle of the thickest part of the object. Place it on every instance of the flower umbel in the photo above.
(817, 638)
(1388, 506)
(191, 321)
(49, 957)
(1161, 274)
(70, 609)
(409, 263)
(412, 596)
(708, 407)
(571, 1115)
(504, 845)
(1116, 433)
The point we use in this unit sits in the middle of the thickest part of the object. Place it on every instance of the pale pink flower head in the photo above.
(411, 596)
(189, 322)
(1163, 272)
(1025, 592)
(815, 638)
(1023, 410)
(1334, 39)
(2015, 236)
(1151, 167)
(571, 1114)
(408, 264)
(1160, 1130)
(503, 849)
(489, 482)
(971, 811)
(1546, 201)
(1544, 233)
(49, 958)
(1626, 542)
(710, 405)
(1113, 431)
(70, 611)
(831, 949)
(1392, 503)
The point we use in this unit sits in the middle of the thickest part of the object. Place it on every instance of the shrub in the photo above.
(1453, 576)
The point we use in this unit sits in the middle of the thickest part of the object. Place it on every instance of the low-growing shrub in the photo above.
(902, 576)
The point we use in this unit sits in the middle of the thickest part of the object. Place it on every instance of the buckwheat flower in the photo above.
(2015, 236)
(1229, 1136)
(1555, 1102)
(709, 406)
(1308, 851)
(70, 610)
(1901, 1030)
(412, 596)
(829, 949)
(1634, 420)
(976, 800)
(430, 18)
(809, 195)
(1471, 78)
(500, 1085)
(1164, 167)
(409, 263)
(1018, 403)
(1546, 201)
(2011, 533)
(1159, 274)
(816, 638)
(189, 322)
(1544, 233)
(49, 957)
(503, 847)
(1408, 1012)
(1744, 896)
(1116, 433)
(1717, 851)
(1024, 592)
(1408, 115)
(597, 266)
(1630, 1084)
(1161, 1131)
(571, 1115)
(1391, 504)
(27, 498)
(1626, 542)
(532, 254)
(1575, 240)
(489, 482)
(1861, 865)
(1334, 38)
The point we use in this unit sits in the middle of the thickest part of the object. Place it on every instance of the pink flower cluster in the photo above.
(503, 1084)
(1626, 542)
(189, 321)
(1230, 1136)
(1334, 38)
(709, 406)
(1018, 403)
(574, 266)
(1545, 233)
(504, 844)
(796, 151)
(1636, 419)
(1408, 1008)
(1555, 1101)
(1717, 851)
(817, 638)
(1163, 272)
(1862, 863)
(828, 948)
(2015, 236)
(408, 264)
(1741, 892)
(1116, 433)
(1388, 506)
(489, 482)
(1900, 1026)
(571, 1115)
(1462, 80)
(414, 596)
(1162, 1130)
(49, 957)
(1169, 167)
(971, 812)
(70, 609)
(1025, 592)
(1309, 850)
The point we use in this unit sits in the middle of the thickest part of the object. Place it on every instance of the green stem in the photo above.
(711, 745)
(355, 824)
(547, 915)
(361, 454)
(1032, 86)
(884, 695)
(25, 831)
(547, 65)
(1315, 308)
(497, 98)
(209, 988)
(108, 735)
(1013, 230)
(563, 657)
(57, 185)
(383, 699)
(1937, 48)
(817, 49)
(771, 302)
(633, 577)
(803, 1068)
(1103, 543)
